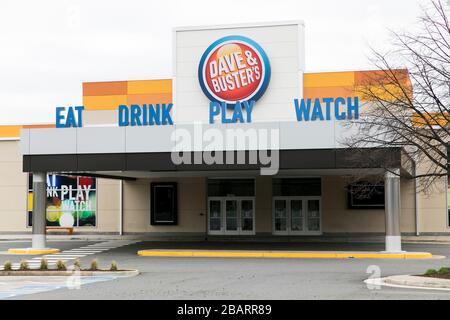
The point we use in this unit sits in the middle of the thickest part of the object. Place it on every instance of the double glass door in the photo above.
(297, 216)
(231, 216)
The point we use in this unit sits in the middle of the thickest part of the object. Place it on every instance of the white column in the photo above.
(39, 211)
(392, 211)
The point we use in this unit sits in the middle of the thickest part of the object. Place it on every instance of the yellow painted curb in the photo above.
(285, 255)
(32, 252)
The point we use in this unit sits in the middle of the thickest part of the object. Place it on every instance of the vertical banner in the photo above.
(71, 201)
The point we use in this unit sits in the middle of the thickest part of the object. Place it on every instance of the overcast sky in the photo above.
(48, 48)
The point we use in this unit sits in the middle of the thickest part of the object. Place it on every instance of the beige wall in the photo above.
(191, 207)
(337, 218)
(13, 189)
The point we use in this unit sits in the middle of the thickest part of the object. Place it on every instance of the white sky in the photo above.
(48, 48)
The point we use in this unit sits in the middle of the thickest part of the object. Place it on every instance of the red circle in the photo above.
(233, 72)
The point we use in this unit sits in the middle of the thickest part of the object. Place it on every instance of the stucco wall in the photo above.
(13, 189)
(191, 207)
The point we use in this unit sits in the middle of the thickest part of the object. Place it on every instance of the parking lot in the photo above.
(219, 278)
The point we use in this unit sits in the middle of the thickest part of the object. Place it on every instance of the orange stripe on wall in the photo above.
(39, 126)
(329, 79)
(10, 131)
(149, 87)
(104, 102)
(141, 99)
(328, 92)
(105, 88)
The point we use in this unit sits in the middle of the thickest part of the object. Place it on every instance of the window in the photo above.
(366, 195)
(231, 188)
(164, 204)
(71, 201)
(297, 187)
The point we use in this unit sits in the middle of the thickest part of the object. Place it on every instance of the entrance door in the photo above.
(297, 216)
(231, 216)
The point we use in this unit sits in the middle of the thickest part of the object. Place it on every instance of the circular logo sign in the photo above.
(234, 69)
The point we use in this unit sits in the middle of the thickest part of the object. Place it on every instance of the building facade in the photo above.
(241, 142)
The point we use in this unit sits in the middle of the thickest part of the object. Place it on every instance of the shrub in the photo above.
(7, 266)
(431, 272)
(94, 265)
(444, 271)
(114, 266)
(61, 266)
(24, 266)
(77, 264)
(44, 264)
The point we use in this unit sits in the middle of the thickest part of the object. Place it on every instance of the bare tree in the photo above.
(407, 102)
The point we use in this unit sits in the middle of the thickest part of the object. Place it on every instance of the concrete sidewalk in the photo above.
(257, 239)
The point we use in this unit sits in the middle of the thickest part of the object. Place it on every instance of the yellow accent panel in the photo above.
(329, 79)
(149, 86)
(10, 131)
(32, 251)
(328, 92)
(156, 98)
(431, 119)
(284, 255)
(388, 92)
(30, 201)
(104, 102)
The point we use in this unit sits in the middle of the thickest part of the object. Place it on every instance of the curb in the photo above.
(37, 273)
(285, 255)
(420, 282)
(32, 251)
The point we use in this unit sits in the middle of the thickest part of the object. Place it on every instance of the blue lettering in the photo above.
(353, 108)
(136, 114)
(328, 102)
(166, 118)
(154, 114)
(224, 114)
(317, 111)
(79, 116)
(302, 110)
(60, 117)
(123, 116)
(145, 115)
(337, 114)
(248, 105)
(71, 122)
(237, 114)
(214, 110)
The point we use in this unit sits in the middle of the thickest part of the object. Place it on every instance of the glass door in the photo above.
(231, 216)
(297, 216)
(280, 216)
(215, 216)
(247, 216)
(313, 222)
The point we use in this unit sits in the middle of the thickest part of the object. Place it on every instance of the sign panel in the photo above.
(71, 201)
(234, 69)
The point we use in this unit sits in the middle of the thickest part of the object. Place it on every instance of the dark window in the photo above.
(231, 188)
(366, 195)
(297, 187)
(164, 204)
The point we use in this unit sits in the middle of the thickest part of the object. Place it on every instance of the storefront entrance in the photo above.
(231, 216)
(231, 207)
(297, 215)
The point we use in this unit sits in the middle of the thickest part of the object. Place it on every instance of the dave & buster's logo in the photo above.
(234, 69)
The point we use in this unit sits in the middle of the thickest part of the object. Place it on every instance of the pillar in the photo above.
(39, 210)
(392, 211)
